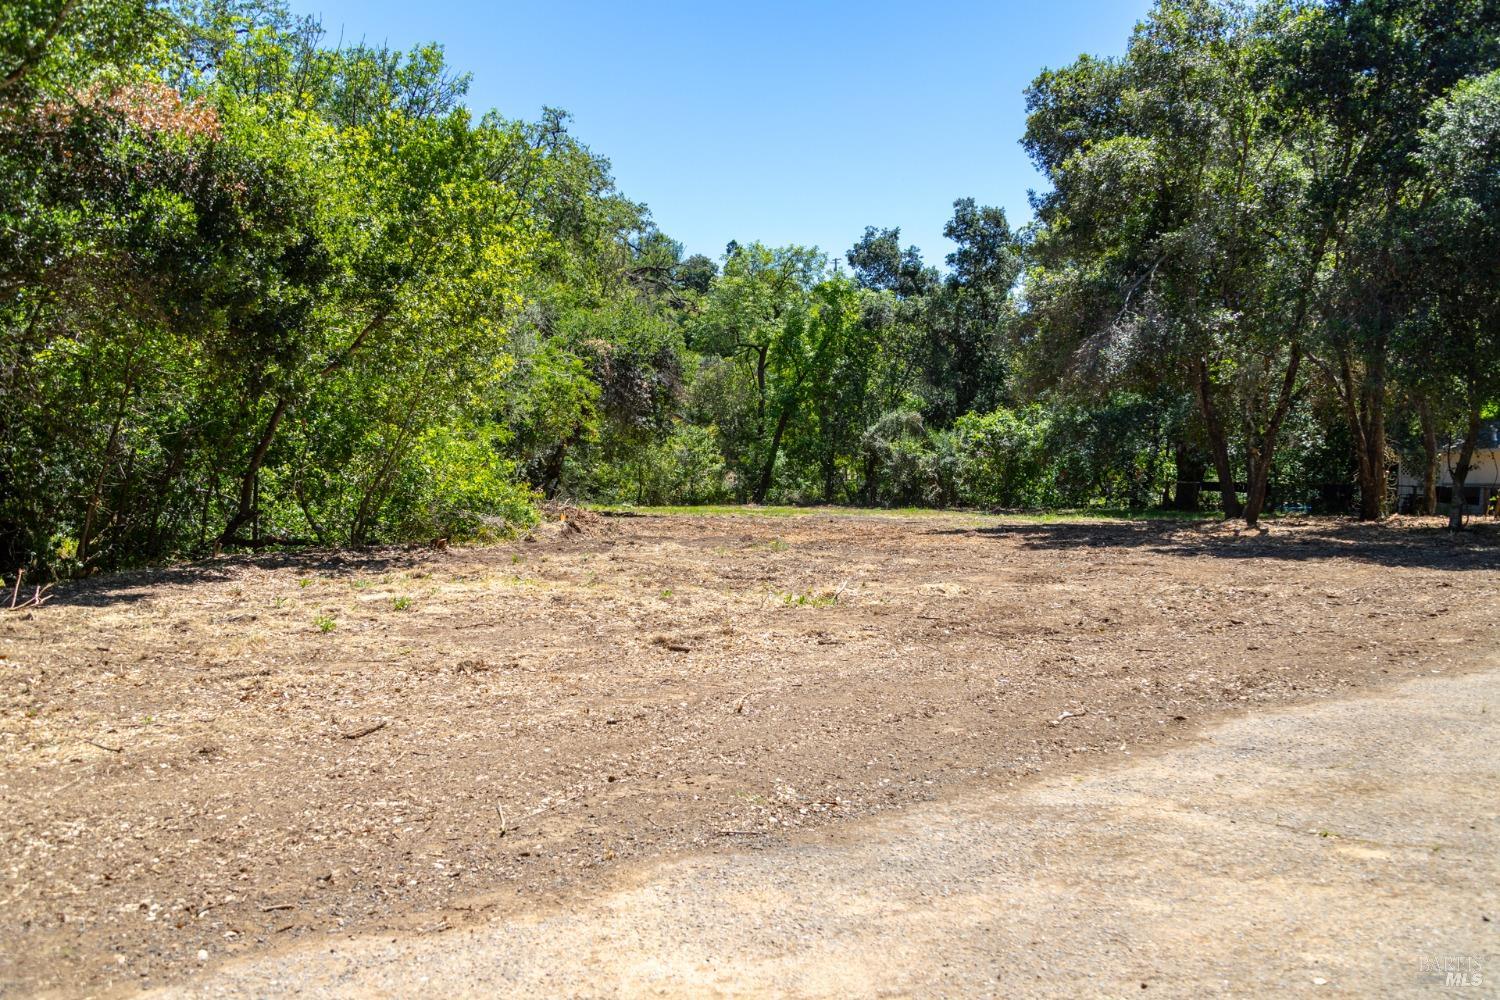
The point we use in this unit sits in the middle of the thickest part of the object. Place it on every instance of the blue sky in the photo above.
(783, 122)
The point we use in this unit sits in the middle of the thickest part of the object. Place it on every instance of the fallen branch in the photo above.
(358, 734)
(278, 906)
(38, 597)
(102, 746)
(1069, 715)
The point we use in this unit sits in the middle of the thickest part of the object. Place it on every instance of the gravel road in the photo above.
(1348, 848)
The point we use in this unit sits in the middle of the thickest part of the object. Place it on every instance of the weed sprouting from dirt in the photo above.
(400, 603)
(809, 598)
(325, 623)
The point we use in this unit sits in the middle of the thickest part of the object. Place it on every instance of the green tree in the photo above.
(1358, 78)
(1455, 327)
(1178, 232)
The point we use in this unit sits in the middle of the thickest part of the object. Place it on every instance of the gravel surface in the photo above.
(1348, 849)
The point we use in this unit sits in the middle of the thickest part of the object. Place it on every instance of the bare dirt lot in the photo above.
(229, 756)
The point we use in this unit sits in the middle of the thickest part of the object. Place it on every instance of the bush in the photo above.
(1001, 458)
(685, 467)
(461, 488)
(904, 465)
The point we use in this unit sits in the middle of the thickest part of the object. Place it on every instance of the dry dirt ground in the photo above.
(1349, 848)
(233, 755)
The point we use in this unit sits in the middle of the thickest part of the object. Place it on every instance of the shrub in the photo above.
(1001, 458)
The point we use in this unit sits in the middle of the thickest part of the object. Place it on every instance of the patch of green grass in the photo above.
(305, 582)
(666, 592)
(325, 623)
(400, 603)
(1082, 514)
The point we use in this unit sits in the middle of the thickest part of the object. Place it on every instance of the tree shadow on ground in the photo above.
(1398, 545)
(130, 586)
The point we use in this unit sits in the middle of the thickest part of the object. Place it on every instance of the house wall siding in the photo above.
(1485, 471)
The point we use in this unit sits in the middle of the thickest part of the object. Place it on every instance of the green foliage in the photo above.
(809, 598)
(256, 289)
(255, 313)
(905, 465)
(685, 468)
(1453, 332)
(1111, 452)
(1002, 458)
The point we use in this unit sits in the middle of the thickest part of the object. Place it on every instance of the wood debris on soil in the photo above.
(536, 674)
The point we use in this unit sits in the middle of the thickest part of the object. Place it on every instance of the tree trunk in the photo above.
(1371, 486)
(1189, 482)
(1262, 450)
(762, 361)
(246, 505)
(96, 495)
(871, 471)
(1218, 440)
(370, 495)
(1258, 486)
(1460, 472)
(552, 470)
(1372, 505)
(1430, 454)
(763, 488)
(1229, 497)
(1363, 398)
(247, 482)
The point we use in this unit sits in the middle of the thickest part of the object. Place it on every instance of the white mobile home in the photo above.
(1481, 488)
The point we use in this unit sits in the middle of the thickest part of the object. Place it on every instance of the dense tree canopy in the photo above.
(256, 290)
